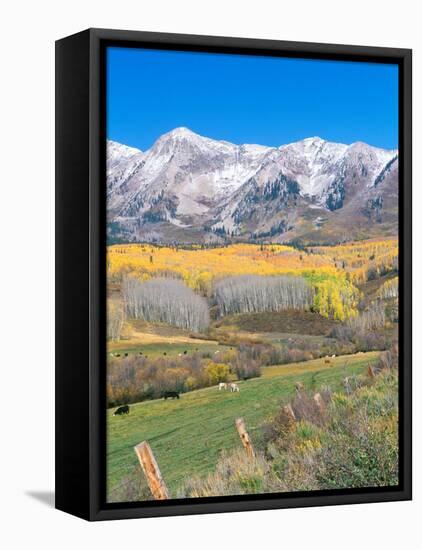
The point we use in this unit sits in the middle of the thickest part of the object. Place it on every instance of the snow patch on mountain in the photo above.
(311, 161)
(188, 180)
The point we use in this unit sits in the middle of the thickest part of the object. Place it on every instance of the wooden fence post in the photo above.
(152, 471)
(244, 436)
(288, 411)
(319, 403)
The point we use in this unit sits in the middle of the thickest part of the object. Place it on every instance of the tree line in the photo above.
(254, 294)
(138, 378)
(165, 300)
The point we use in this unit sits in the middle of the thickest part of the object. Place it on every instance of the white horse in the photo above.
(222, 386)
(234, 387)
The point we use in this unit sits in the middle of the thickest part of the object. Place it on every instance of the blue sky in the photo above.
(248, 99)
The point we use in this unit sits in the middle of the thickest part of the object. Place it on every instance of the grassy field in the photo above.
(155, 340)
(157, 349)
(187, 435)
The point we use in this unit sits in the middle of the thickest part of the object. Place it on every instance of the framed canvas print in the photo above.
(233, 274)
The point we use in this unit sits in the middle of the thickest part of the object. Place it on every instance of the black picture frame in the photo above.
(80, 273)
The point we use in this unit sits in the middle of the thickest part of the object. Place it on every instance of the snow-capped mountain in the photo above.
(192, 188)
(189, 172)
(122, 163)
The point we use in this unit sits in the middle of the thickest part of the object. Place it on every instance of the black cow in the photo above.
(171, 394)
(122, 410)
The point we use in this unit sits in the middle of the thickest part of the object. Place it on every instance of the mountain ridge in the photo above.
(191, 188)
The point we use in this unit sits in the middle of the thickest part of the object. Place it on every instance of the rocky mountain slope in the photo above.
(189, 188)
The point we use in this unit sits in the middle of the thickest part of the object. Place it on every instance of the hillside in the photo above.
(339, 440)
(188, 435)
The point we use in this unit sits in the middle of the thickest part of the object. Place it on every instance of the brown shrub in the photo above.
(235, 474)
(133, 488)
(305, 407)
(388, 359)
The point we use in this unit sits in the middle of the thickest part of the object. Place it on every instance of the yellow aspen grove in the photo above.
(333, 273)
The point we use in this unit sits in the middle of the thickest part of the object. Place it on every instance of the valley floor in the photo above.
(184, 318)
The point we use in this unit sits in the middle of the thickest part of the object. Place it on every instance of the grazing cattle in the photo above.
(126, 354)
(171, 394)
(332, 357)
(222, 386)
(140, 353)
(215, 353)
(179, 354)
(327, 361)
(117, 354)
(185, 352)
(234, 387)
(121, 410)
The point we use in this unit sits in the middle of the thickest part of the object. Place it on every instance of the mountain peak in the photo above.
(313, 139)
(180, 136)
(181, 131)
(361, 145)
(312, 143)
(179, 139)
(120, 148)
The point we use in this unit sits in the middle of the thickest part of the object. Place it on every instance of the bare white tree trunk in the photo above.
(254, 294)
(165, 301)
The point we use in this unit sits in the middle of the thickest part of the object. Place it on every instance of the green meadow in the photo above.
(187, 435)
